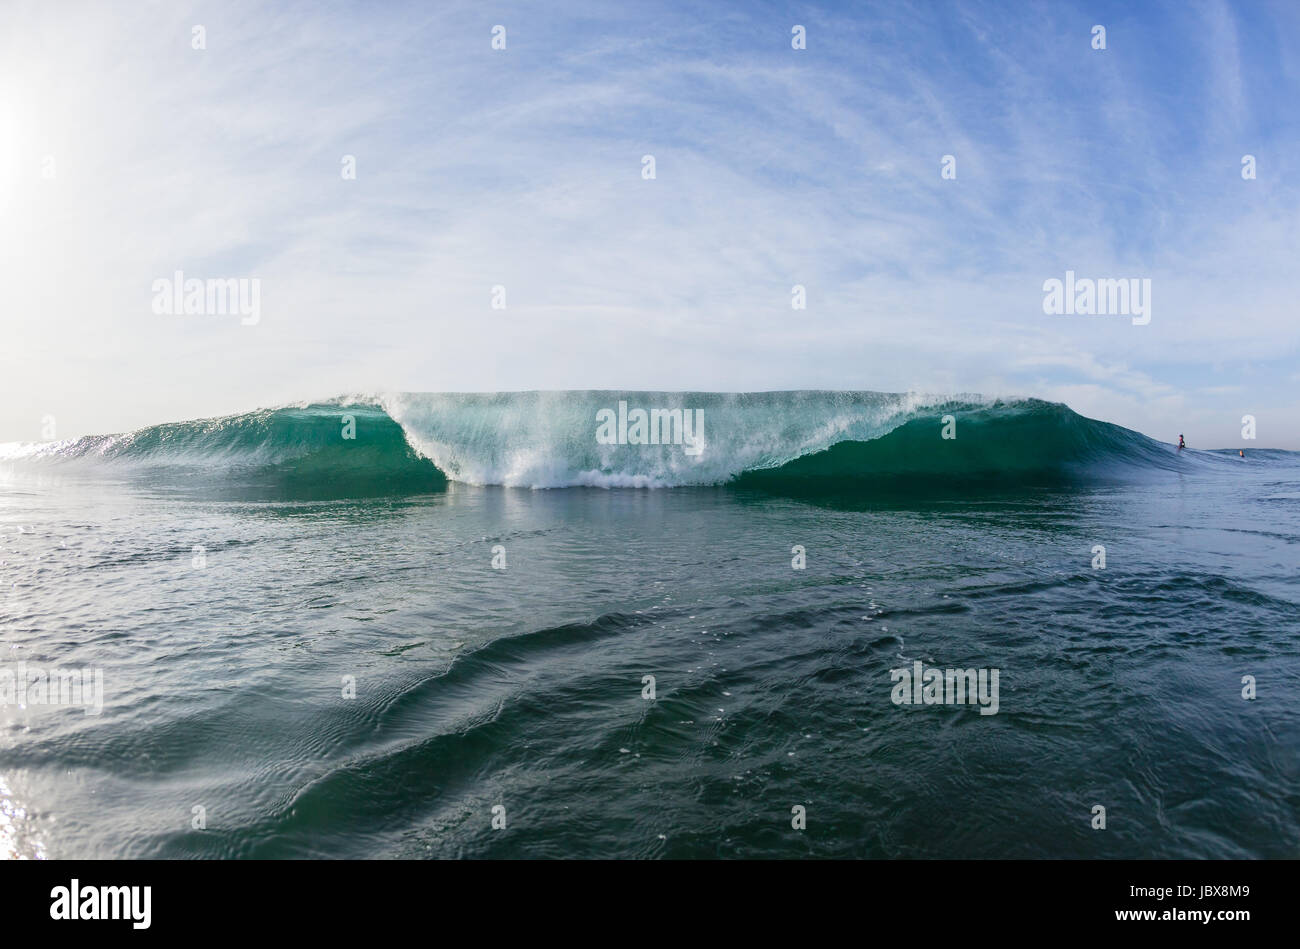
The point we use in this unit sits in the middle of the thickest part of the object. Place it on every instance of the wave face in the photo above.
(1014, 442)
(299, 450)
(416, 441)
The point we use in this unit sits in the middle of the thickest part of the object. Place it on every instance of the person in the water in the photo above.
(1181, 444)
(1241, 453)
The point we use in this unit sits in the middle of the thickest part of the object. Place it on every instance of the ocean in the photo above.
(427, 625)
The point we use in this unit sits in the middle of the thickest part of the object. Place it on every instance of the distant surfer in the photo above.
(1241, 453)
(1181, 444)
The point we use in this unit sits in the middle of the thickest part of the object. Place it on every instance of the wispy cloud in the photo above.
(522, 168)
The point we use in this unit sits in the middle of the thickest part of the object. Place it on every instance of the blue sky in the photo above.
(774, 167)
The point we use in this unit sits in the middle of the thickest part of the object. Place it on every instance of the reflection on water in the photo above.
(17, 842)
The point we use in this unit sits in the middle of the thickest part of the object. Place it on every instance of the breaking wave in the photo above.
(418, 441)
